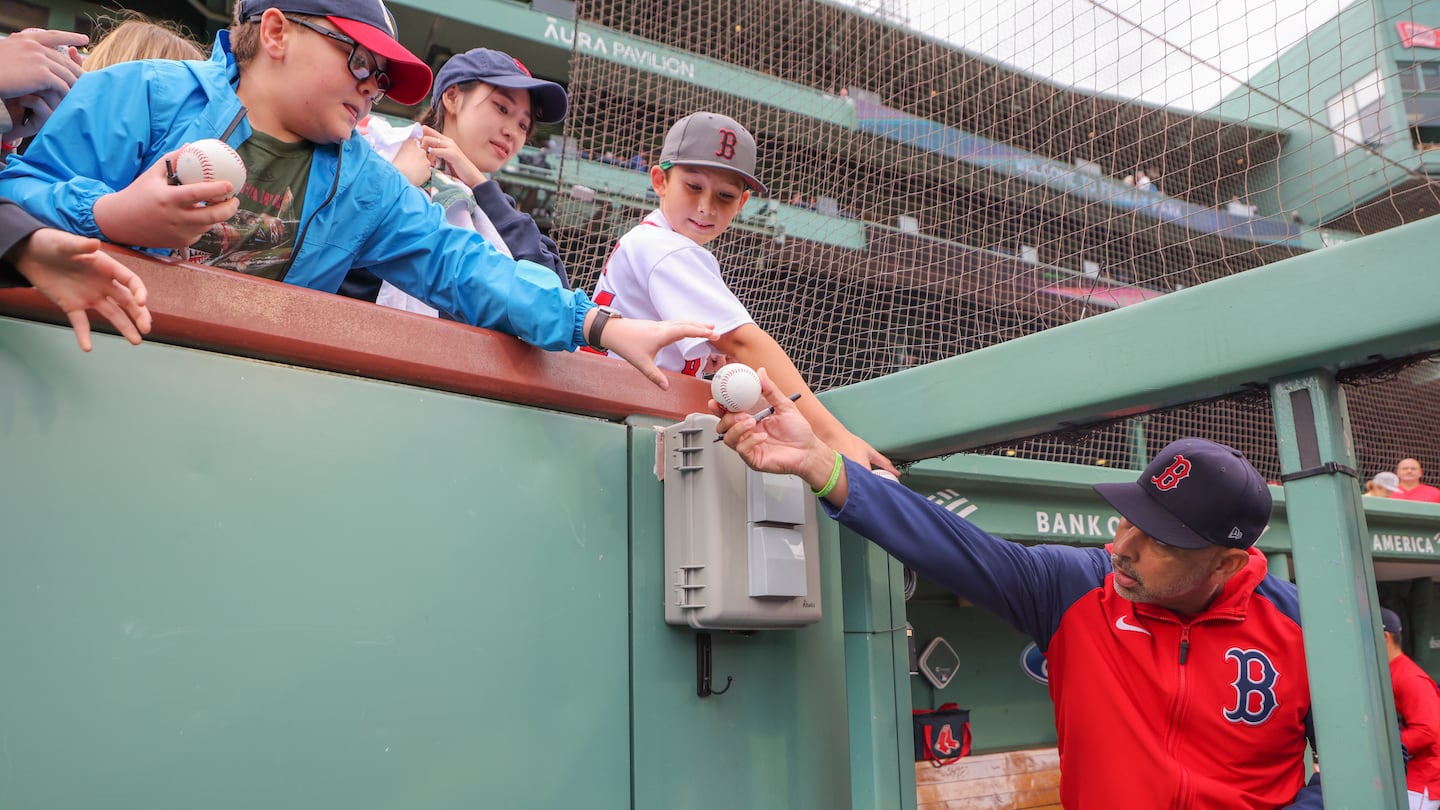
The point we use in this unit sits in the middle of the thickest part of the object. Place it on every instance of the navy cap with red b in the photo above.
(1195, 494)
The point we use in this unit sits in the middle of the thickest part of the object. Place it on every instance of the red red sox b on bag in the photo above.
(942, 735)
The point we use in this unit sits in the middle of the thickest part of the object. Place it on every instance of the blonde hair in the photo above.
(135, 36)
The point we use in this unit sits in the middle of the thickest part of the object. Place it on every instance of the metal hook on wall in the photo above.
(702, 668)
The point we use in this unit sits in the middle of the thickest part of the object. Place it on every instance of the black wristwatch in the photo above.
(597, 326)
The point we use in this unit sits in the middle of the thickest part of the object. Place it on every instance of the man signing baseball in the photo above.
(1176, 661)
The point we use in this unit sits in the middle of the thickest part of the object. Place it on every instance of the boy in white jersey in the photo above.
(661, 269)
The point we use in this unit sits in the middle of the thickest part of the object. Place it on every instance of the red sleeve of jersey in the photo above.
(1418, 704)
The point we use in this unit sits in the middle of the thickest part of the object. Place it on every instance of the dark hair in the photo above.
(434, 117)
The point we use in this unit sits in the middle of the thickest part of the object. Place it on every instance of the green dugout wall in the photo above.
(235, 582)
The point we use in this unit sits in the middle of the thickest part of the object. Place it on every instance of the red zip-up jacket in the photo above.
(1418, 705)
(1153, 710)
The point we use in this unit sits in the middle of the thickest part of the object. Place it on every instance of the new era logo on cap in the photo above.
(1195, 493)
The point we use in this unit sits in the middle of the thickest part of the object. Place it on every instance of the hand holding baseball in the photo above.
(781, 443)
(736, 387)
(150, 212)
(208, 160)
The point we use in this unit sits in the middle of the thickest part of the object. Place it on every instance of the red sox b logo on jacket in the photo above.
(1254, 686)
(1178, 470)
(727, 145)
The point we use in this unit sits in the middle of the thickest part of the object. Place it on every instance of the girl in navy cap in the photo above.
(483, 107)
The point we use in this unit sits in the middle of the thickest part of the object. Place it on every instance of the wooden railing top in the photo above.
(220, 311)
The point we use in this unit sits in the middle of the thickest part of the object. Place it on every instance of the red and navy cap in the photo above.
(1195, 494)
(369, 23)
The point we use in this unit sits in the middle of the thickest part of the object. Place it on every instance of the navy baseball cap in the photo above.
(369, 23)
(1389, 620)
(548, 99)
(1195, 494)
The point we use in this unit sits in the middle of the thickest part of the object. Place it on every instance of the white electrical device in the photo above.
(742, 551)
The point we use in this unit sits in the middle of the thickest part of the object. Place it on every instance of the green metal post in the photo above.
(1418, 627)
(1135, 434)
(1355, 724)
(877, 676)
(1280, 565)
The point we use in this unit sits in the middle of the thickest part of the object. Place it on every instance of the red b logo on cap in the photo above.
(1178, 470)
(727, 145)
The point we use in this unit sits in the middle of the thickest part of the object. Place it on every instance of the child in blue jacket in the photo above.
(285, 86)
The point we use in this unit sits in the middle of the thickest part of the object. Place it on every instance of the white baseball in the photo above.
(210, 159)
(736, 387)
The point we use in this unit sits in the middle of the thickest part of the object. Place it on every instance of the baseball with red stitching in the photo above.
(736, 387)
(210, 159)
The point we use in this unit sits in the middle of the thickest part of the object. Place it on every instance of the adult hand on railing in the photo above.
(76, 275)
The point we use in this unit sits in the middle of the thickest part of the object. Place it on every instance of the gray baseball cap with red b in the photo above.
(1194, 494)
(714, 140)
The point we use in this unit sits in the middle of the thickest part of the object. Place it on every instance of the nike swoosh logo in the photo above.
(1121, 624)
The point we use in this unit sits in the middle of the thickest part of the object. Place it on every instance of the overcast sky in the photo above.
(1074, 42)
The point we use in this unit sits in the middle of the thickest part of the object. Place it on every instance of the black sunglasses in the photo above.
(362, 62)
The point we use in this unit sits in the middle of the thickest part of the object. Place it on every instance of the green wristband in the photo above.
(834, 477)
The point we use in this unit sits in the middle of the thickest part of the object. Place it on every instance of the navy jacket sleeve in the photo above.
(518, 230)
(15, 225)
(1309, 797)
(1028, 586)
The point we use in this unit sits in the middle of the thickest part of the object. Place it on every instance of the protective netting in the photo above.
(1389, 408)
(928, 201)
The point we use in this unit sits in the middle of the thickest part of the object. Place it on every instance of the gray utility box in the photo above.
(742, 551)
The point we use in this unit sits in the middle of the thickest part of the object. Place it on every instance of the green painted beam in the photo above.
(1330, 309)
(1350, 693)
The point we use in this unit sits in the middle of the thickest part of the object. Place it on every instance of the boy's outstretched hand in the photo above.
(782, 443)
(639, 340)
(150, 212)
(76, 275)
